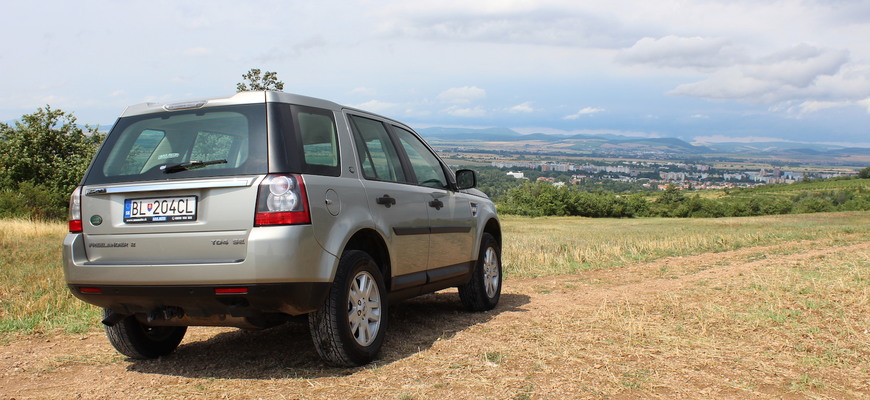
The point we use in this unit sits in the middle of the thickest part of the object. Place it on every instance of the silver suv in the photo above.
(249, 210)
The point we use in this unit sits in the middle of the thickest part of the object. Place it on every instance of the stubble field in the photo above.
(768, 307)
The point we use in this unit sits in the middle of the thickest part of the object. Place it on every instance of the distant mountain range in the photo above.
(608, 143)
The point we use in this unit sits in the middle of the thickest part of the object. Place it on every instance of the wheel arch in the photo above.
(371, 242)
(493, 227)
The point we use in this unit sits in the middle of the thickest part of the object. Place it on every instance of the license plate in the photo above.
(165, 209)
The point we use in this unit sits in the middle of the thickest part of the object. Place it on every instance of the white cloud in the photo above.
(462, 95)
(787, 75)
(522, 108)
(584, 111)
(557, 23)
(813, 105)
(376, 106)
(365, 91)
(679, 52)
(466, 112)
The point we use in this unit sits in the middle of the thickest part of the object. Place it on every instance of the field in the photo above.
(763, 307)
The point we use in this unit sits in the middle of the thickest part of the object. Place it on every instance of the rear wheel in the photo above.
(348, 329)
(483, 291)
(135, 340)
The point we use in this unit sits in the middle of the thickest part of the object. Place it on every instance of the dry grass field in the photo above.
(768, 307)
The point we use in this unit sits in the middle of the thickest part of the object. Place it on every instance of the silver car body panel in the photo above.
(223, 247)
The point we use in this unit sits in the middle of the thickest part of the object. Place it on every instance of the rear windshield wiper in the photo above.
(190, 165)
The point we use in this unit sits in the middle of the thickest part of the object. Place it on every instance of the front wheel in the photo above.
(482, 292)
(135, 340)
(348, 328)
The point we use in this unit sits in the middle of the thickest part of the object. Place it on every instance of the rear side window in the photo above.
(318, 135)
(216, 141)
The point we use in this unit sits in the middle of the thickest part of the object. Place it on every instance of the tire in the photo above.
(138, 341)
(349, 327)
(483, 291)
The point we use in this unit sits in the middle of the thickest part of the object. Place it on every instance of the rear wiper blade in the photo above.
(168, 169)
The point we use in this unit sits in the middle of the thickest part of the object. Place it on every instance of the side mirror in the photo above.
(466, 179)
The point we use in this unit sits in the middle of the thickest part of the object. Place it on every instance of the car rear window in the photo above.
(215, 141)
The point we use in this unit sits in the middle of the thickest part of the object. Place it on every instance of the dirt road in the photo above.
(652, 330)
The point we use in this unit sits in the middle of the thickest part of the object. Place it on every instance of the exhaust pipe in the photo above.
(112, 318)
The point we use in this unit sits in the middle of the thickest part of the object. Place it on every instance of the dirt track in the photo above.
(542, 341)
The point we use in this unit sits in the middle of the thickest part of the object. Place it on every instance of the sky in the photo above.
(702, 71)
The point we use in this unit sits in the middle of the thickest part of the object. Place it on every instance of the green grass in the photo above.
(33, 295)
(563, 245)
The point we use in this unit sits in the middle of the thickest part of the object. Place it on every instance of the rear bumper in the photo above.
(279, 254)
(285, 271)
(246, 301)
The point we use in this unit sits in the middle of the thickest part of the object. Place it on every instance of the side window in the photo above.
(426, 166)
(377, 155)
(318, 137)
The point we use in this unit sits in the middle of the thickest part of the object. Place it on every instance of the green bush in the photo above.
(543, 199)
(42, 158)
(33, 202)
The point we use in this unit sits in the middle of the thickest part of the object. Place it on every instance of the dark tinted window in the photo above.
(427, 169)
(377, 155)
(229, 140)
(319, 138)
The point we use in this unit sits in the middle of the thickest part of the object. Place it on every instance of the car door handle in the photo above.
(386, 201)
(436, 204)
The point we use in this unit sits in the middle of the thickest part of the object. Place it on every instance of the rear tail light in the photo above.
(75, 210)
(281, 200)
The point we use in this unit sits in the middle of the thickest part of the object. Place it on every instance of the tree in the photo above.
(253, 80)
(47, 153)
(865, 173)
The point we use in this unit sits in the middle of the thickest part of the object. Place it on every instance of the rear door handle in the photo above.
(386, 201)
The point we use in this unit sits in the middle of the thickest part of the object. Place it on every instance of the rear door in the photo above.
(176, 187)
(397, 207)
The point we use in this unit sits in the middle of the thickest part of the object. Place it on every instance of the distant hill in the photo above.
(616, 144)
(485, 135)
(579, 142)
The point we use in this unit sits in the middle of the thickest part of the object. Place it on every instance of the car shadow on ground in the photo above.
(286, 351)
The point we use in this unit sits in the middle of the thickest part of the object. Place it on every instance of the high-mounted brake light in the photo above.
(281, 200)
(185, 105)
(75, 210)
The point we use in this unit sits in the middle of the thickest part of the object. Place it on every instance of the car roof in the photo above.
(253, 97)
(250, 97)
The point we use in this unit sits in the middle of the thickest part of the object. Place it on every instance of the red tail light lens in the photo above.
(75, 210)
(231, 290)
(282, 200)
